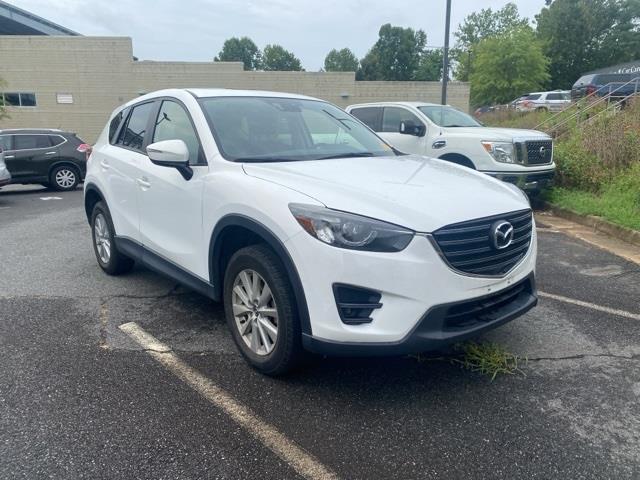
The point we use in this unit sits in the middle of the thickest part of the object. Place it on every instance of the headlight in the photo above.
(347, 230)
(501, 151)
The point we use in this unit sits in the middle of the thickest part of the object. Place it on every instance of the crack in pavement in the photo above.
(171, 293)
(586, 355)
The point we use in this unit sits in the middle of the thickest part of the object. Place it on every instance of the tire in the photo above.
(102, 236)
(256, 316)
(64, 178)
(542, 109)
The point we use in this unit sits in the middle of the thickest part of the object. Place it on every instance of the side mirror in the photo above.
(408, 127)
(172, 154)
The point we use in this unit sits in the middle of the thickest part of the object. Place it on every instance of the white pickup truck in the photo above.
(521, 157)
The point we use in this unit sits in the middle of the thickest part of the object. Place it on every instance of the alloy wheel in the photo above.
(255, 312)
(102, 238)
(65, 178)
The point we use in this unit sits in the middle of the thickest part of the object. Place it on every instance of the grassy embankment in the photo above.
(598, 162)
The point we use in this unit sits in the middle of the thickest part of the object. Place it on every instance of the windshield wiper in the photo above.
(348, 155)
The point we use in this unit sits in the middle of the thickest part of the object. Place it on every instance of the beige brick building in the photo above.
(78, 81)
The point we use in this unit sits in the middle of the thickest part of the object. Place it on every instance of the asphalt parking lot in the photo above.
(80, 399)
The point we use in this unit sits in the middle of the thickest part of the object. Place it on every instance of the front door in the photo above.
(392, 117)
(170, 206)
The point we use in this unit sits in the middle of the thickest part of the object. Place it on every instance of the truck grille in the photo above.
(538, 152)
(470, 247)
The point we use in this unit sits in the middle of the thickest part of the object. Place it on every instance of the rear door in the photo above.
(30, 156)
(120, 163)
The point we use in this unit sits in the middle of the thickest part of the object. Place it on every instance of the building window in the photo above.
(18, 99)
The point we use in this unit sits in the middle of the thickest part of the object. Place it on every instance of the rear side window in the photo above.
(554, 96)
(113, 126)
(5, 142)
(56, 140)
(28, 142)
(370, 116)
(173, 123)
(133, 133)
(394, 116)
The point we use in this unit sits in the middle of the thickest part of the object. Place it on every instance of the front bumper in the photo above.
(411, 282)
(527, 181)
(443, 324)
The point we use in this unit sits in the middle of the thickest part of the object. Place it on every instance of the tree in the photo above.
(478, 26)
(341, 61)
(395, 55)
(583, 35)
(240, 50)
(430, 67)
(276, 57)
(507, 66)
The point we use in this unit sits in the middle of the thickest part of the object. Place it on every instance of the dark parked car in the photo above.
(603, 83)
(49, 157)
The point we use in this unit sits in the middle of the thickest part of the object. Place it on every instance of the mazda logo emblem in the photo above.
(542, 151)
(502, 234)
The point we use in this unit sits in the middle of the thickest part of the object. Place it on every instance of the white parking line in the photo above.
(593, 306)
(301, 461)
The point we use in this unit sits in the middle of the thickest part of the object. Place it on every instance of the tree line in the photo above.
(501, 53)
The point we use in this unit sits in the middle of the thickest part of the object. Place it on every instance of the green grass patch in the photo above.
(487, 358)
(617, 201)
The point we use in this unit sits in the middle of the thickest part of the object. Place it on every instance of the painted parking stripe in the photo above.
(302, 462)
(593, 306)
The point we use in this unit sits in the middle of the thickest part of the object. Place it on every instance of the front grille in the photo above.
(485, 309)
(539, 152)
(469, 247)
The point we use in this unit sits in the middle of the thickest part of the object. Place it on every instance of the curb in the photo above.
(597, 223)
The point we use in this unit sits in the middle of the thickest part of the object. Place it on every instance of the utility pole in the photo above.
(445, 59)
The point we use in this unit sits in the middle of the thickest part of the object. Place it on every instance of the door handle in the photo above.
(50, 153)
(104, 164)
(143, 182)
(439, 144)
(9, 156)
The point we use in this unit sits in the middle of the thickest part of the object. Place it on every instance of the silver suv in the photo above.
(555, 101)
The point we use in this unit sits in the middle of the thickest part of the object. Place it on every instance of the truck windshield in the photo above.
(269, 129)
(445, 116)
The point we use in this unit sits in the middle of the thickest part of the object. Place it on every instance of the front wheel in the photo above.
(261, 311)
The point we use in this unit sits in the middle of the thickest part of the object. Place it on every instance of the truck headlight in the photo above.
(346, 230)
(501, 151)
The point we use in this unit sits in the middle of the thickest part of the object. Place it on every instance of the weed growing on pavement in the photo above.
(487, 358)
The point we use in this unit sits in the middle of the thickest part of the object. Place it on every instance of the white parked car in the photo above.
(5, 176)
(311, 229)
(555, 101)
(521, 157)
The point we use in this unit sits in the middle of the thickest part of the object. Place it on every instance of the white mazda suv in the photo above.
(314, 232)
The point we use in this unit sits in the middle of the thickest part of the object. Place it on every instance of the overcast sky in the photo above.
(195, 30)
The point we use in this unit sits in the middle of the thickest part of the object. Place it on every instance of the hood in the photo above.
(416, 192)
(495, 134)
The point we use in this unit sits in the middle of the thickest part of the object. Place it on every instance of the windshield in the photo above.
(268, 129)
(445, 116)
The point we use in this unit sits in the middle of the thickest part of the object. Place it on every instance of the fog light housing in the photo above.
(356, 304)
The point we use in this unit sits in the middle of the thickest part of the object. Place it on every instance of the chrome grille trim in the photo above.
(471, 254)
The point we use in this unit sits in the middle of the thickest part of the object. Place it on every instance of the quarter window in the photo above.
(173, 123)
(370, 116)
(393, 116)
(56, 140)
(28, 142)
(133, 133)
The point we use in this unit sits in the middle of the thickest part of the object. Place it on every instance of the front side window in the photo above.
(173, 123)
(394, 116)
(284, 129)
(28, 142)
(133, 133)
(114, 124)
(445, 116)
(5, 142)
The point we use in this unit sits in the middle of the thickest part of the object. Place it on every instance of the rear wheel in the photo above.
(64, 178)
(261, 311)
(109, 258)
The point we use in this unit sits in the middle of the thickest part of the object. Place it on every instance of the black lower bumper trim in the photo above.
(434, 330)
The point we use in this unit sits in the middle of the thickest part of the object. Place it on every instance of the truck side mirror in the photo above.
(409, 127)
